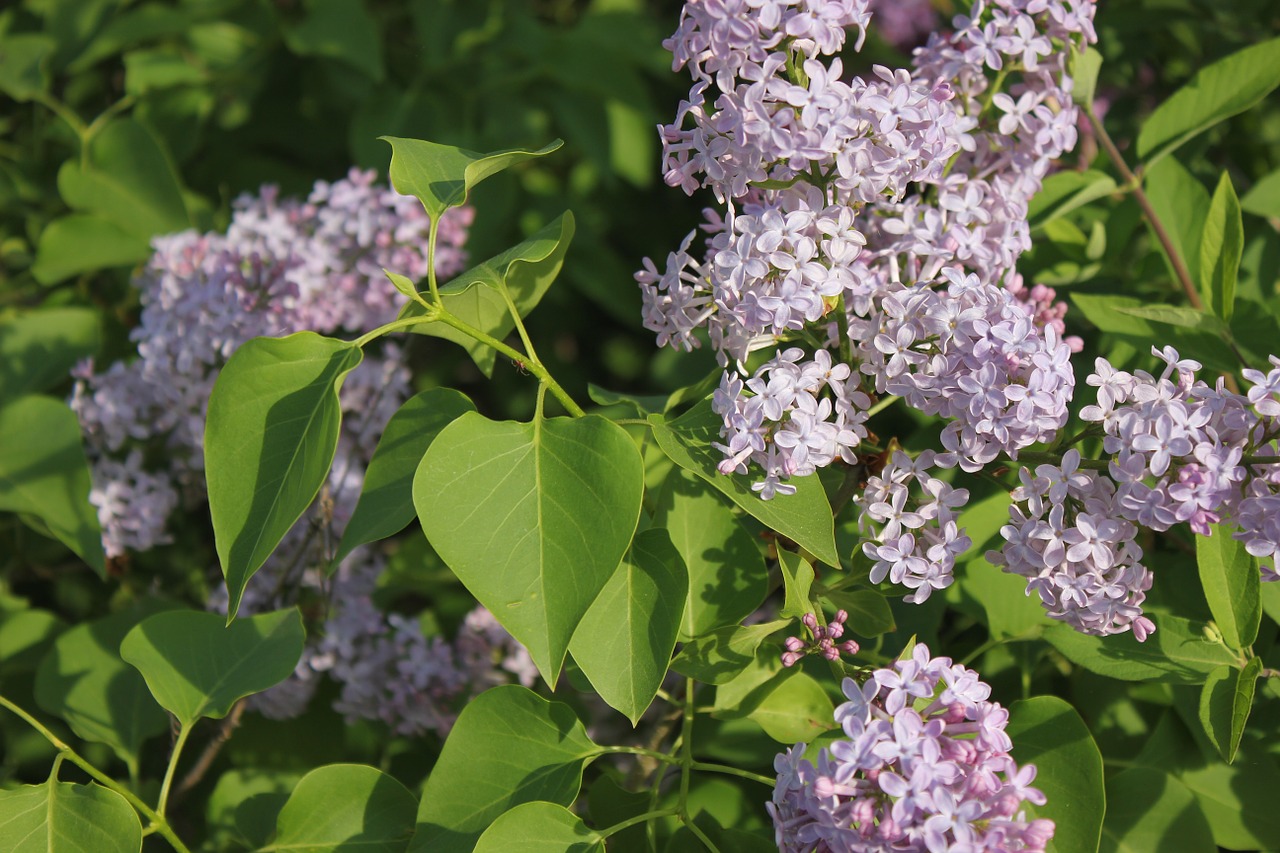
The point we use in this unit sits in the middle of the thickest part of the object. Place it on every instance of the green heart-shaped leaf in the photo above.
(347, 806)
(540, 828)
(442, 176)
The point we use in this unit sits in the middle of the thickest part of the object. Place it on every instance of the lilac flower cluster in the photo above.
(823, 640)
(904, 23)
(914, 538)
(876, 219)
(924, 766)
(285, 265)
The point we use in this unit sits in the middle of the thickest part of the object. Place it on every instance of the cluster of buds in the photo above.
(823, 642)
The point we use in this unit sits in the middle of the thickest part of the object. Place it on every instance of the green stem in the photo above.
(686, 745)
(698, 833)
(647, 816)
(639, 750)
(402, 323)
(734, 771)
(433, 230)
(158, 823)
(184, 732)
(65, 113)
(105, 116)
(515, 315)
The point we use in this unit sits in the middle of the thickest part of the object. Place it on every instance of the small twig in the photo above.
(211, 750)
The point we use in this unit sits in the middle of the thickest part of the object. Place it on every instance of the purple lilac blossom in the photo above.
(924, 766)
(285, 265)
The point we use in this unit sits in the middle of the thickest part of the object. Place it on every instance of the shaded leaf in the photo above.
(346, 807)
(38, 349)
(342, 30)
(797, 710)
(1176, 652)
(1263, 198)
(24, 64)
(539, 828)
(719, 656)
(1150, 810)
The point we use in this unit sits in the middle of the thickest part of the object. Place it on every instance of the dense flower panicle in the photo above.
(924, 766)
(878, 219)
(913, 536)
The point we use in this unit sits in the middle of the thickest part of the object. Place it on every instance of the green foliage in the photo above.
(532, 518)
(270, 436)
(1232, 585)
(58, 817)
(39, 348)
(1151, 810)
(1225, 702)
(797, 709)
(346, 806)
(717, 657)
(1220, 249)
(539, 828)
(1178, 652)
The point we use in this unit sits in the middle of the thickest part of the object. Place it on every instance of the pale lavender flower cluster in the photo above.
(924, 766)
(903, 23)
(914, 537)
(1068, 538)
(877, 219)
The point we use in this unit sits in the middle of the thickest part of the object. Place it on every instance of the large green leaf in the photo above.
(270, 435)
(804, 517)
(44, 473)
(1220, 249)
(1194, 334)
(727, 574)
(1225, 702)
(509, 746)
(1217, 92)
(1232, 585)
(1178, 652)
(59, 817)
(38, 349)
(127, 180)
(532, 518)
(243, 807)
(386, 499)
(539, 828)
(476, 295)
(84, 681)
(198, 666)
(82, 242)
(25, 637)
(346, 807)
(796, 710)
(1048, 733)
(719, 656)
(625, 640)
(1149, 810)
(442, 176)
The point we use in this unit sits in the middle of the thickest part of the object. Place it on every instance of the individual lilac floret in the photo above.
(1068, 538)
(914, 536)
(925, 767)
(823, 642)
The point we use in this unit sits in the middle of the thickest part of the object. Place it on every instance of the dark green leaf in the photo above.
(1220, 249)
(442, 176)
(1232, 585)
(346, 807)
(804, 517)
(24, 61)
(341, 30)
(198, 666)
(58, 817)
(1149, 810)
(271, 432)
(625, 639)
(532, 518)
(475, 297)
(1225, 702)
(797, 710)
(1048, 733)
(386, 499)
(727, 574)
(1176, 652)
(719, 656)
(1217, 92)
(509, 746)
(44, 473)
(85, 682)
(39, 348)
(244, 805)
(869, 611)
(539, 828)
(80, 243)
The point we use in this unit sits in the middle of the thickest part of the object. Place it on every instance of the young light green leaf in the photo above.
(1151, 810)
(1232, 585)
(1177, 315)
(532, 518)
(1177, 652)
(80, 242)
(1263, 198)
(44, 473)
(509, 746)
(83, 680)
(1085, 65)
(38, 349)
(797, 710)
(1065, 191)
(346, 806)
(797, 582)
(442, 176)
(727, 575)
(198, 666)
(1225, 702)
(1047, 732)
(270, 435)
(1181, 203)
(625, 639)
(1217, 92)
(1220, 249)
(127, 180)
(386, 499)
(59, 817)
(475, 296)
(804, 517)
(404, 284)
(718, 657)
(539, 828)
